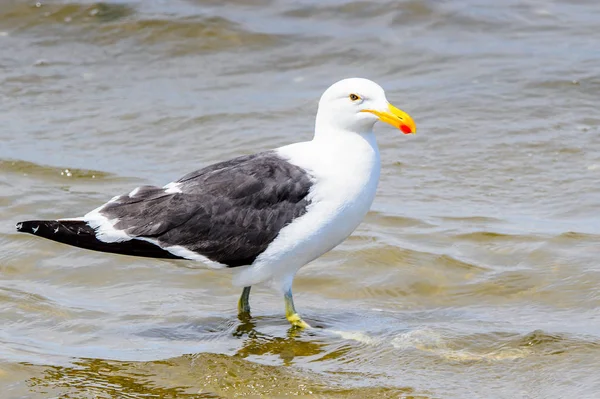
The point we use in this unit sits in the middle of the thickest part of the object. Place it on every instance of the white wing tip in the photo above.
(172, 188)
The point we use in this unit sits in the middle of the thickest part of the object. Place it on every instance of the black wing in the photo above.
(79, 234)
(228, 212)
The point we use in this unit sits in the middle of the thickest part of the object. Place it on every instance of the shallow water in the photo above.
(475, 275)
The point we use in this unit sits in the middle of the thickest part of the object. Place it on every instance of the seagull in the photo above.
(263, 216)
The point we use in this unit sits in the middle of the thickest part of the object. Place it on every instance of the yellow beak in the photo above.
(396, 117)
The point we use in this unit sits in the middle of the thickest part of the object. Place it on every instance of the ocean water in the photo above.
(475, 275)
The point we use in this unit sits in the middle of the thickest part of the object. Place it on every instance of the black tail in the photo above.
(79, 234)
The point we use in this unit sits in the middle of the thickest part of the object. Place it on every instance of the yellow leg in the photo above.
(290, 312)
(244, 302)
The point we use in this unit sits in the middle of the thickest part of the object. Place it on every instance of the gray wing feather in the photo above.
(228, 212)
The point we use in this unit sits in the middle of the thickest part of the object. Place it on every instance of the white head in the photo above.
(354, 105)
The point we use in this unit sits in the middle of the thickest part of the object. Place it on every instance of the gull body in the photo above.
(265, 215)
(345, 170)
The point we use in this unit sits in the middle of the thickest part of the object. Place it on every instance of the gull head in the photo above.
(354, 105)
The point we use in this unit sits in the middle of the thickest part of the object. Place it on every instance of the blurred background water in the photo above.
(475, 275)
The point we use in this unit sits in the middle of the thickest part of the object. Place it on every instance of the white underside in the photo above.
(346, 170)
(183, 252)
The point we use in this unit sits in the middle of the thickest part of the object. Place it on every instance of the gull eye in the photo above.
(354, 97)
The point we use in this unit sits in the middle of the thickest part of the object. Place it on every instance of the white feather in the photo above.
(178, 250)
(105, 228)
(346, 169)
(172, 188)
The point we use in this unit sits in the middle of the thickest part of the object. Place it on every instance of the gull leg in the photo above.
(244, 302)
(290, 311)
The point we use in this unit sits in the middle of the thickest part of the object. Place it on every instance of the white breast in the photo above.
(346, 173)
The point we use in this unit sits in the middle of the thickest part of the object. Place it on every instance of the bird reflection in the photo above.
(296, 342)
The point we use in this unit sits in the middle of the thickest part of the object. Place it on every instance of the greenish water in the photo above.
(475, 275)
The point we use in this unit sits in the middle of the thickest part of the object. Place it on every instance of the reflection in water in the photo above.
(206, 375)
(99, 378)
(201, 376)
(286, 348)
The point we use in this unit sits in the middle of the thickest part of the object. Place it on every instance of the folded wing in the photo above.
(225, 214)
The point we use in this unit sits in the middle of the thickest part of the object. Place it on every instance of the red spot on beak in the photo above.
(405, 129)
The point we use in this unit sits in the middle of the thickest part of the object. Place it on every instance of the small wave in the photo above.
(438, 343)
(40, 14)
(108, 24)
(349, 10)
(387, 220)
(25, 168)
(490, 236)
(434, 342)
(383, 254)
(209, 34)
